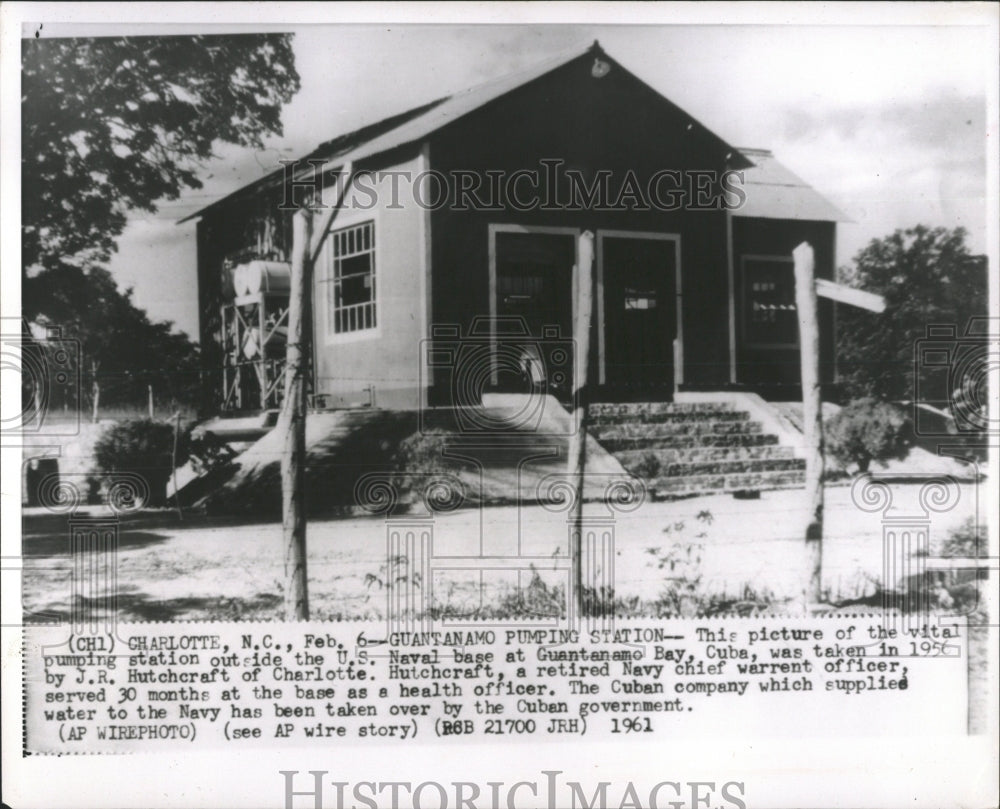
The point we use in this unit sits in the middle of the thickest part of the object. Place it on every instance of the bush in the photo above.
(648, 467)
(868, 430)
(424, 453)
(141, 447)
(970, 539)
(419, 457)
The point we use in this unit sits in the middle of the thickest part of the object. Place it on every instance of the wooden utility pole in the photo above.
(576, 462)
(149, 394)
(812, 413)
(292, 423)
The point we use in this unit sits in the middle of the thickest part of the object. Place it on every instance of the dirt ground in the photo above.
(714, 547)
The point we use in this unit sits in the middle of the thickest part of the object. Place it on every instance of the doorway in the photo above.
(532, 307)
(639, 315)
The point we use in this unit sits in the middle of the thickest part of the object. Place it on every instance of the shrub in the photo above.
(420, 457)
(868, 430)
(141, 447)
(424, 453)
(970, 539)
(959, 591)
(647, 467)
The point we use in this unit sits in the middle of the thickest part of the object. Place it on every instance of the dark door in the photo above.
(534, 287)
(640, 318)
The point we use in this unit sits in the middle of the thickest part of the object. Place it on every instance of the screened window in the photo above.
(769, 315)
(348, 284)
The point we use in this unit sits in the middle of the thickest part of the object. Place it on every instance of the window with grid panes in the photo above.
(769, 315)
(348, 285)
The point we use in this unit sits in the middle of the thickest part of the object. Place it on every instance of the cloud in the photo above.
(943, 123)
(893, 163)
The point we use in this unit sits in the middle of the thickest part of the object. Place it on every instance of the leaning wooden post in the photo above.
(292, 424)
(576, 462)
(812, 413)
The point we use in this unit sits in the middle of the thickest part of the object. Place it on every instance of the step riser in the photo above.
(701, 454)
(671, 418)
(640, 408)
(687, 470)
(734, 440)
(641, 430)
(720, 484)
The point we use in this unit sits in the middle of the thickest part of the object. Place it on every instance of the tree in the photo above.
(144, 447)
(122, 350)
(868, 430)
(115, 124)
(928, 277)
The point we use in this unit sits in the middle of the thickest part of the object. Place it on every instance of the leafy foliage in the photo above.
(868, 430)
(969, 539)
(115, 124)
(122, 350)
(143, 447)
(118, 123)
(648, 466)
(928, 277)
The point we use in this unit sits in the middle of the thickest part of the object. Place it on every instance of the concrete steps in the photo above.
(687, 448)
(677, 417)
(605, 409)
(674, 429)
(709, 455)
(689, 441)
(714, 484)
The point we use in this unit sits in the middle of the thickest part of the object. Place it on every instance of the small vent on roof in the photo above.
(600, 69)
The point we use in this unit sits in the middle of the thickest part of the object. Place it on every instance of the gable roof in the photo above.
(775, 192)
(329, 150)
(416, 124)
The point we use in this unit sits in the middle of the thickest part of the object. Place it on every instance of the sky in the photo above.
(889, 123)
